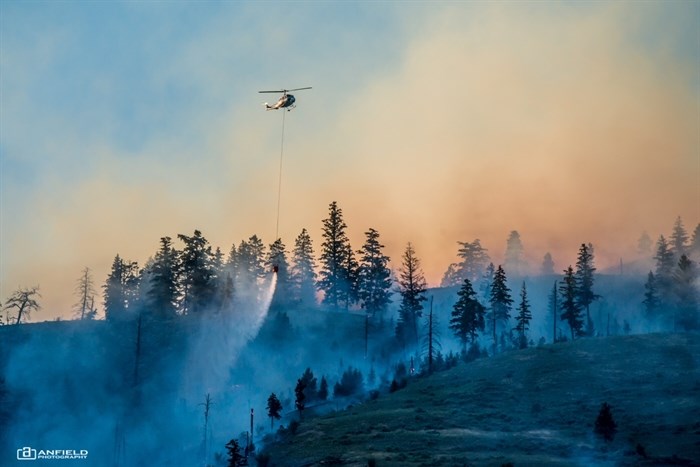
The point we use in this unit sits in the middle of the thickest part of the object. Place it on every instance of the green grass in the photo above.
(531, 407)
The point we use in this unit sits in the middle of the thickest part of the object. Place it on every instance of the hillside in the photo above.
(530, 407)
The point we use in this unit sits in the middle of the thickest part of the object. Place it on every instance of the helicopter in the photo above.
(286, 101)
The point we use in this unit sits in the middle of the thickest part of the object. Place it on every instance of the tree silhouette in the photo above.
(412, 287)
(584, 283)
(500, 301)
(374, 275)
(163, 293)
(302, 273)
(605, 426)
(85, 291)
(523, 318)
(24, 301)
(547, 265)
(514, 260)
(335, 275)
(299, 403)
(467, 315)
(569, 305)
(274, 407)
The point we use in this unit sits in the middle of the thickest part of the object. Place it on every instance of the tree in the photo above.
(514, 261)
(687, 315)
(274, 407)
(644, 244)
(679, 238)
(374, 275)
(467, 315)
(24, 300)
(163, 293)
(432, 338)
(412, 287)
(500, 301)
(584, 283)
(651, 300)
(197, 273)
(323, 389)
(299, 396)
(523, 318)
(85, 291)
(235, 458)
(474, 260)
(121, 290)
(547, 265)
(664, 271)
(694, 247)
(310, 383)
(350, 383)
(335, 276)
(250, 263)
(605, 426)
(302, 272)
(553, 305)
(569, 305)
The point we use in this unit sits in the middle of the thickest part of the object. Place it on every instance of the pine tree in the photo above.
(302, 271)
(300, 397)
(500, 301)
(547, 265)
(467, 315)
(644, 244)
(664, 272)
(679, 238)
(432, 344)
(584, 283)
(121, 290)
(473, 261)
(197, 273)
(651, 298)
(569, 305)
(694, 247)
(605, 426)
(553, 306)
(335, 276)
(323, 389)
(412, 287)
(374, 276)
(687, 315)
(514, 260)
(310, 383)
(235, 458)
(163, 290)
(85, 291)
(523, 318)
(274, 407)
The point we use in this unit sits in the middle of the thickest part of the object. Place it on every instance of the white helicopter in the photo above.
(286, 101)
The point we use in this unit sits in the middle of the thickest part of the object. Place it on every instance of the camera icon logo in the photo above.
(26, 454)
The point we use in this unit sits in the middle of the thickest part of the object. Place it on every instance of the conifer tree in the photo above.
(605, 426)
(694, 247)
(553, 305)
(569, 305)
(323, 389)
(664, 272)
(197, 274)
(235, 458)
(467, 315)
(163, 293)
(547, 265)
(335, 275)
(300, 397)
(432, 344)
(412, 287)
(687, 315)
(500, 301)
(651, 298)
(644, 244)
(584, 283)
(310, 385)
(514, 261)
(523, 318)
(679, 238)
(85, 291)
(374, 275)
(302, 272)
(121, 290)
(274, 407)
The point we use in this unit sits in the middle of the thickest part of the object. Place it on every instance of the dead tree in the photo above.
(23, 300)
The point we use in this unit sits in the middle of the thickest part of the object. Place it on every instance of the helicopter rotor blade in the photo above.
(276, 92)
(298, 89)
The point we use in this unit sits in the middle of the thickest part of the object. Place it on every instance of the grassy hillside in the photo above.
(531, 407)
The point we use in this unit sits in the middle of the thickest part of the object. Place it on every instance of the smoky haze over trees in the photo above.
(192, 322)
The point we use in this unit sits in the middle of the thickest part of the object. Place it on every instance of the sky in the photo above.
(433, 123)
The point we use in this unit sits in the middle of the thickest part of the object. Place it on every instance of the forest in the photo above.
(203, 356)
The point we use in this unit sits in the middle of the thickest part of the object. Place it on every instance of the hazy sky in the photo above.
(432, 123)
